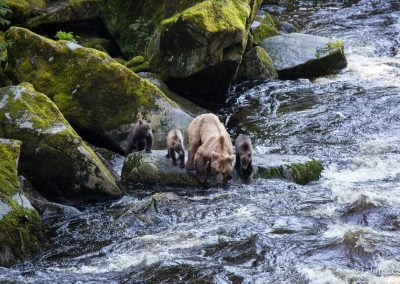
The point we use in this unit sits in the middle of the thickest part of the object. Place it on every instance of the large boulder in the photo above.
(21, 228)
(263, 27)
(195, 45)
(298, 55)
(53, 157)
(100, 97)
(257, 65)
(155, 168)
(23, 9)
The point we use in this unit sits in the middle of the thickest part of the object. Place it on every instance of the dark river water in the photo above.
(345, 228)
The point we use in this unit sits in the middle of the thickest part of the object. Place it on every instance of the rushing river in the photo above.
(343, 228)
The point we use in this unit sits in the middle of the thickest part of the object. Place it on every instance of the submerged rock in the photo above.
(100, 97)
(53, 157)
(21, 228)
(195, 45)
(298, 55)
(155, 168)
(257, 65)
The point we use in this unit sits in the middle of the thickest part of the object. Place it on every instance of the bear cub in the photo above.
(140, 137)
(175, 146)
(244, 156)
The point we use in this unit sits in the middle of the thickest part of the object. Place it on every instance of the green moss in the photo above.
(92, 90)
(304, 173)
(96, 43)
(21, 9)
(9, 153)
(270, 173)
(267, 28)
(22, 231)
(331, 46)
(134, 161)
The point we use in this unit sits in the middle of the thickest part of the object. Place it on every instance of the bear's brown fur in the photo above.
(244, 155)
(209, 145)
(175, 145)
(140, 137)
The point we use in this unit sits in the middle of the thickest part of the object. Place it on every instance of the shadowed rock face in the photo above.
(155, 168)
(298, 55)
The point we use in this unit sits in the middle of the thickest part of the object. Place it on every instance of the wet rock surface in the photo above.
(298, 55)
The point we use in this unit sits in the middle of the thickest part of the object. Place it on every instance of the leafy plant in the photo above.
(4, 10)
(337, 44)
(69, 36)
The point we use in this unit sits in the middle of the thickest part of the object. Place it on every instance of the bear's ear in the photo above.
(140, 122)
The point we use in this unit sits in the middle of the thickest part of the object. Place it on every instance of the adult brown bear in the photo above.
(209, 145)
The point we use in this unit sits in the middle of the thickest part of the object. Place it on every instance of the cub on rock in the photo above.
(175, 145)
(209, 145)
(140, 137)
(244, 156)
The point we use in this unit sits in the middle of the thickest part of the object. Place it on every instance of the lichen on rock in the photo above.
(21, 228)
(96, 94)
(53, 156)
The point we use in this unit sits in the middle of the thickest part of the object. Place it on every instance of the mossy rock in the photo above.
(65, 12)
(101, 44)
(263, 27)
(95, 93)
(187, 42)
(23, 9)
(138, 64)
(156, 168)
(257, 65)
(53, 157)
(299, 169)
(21, 228)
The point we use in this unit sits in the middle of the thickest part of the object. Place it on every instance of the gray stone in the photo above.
(257, 65)
(298, 55)
(4, 209)
(22, 201)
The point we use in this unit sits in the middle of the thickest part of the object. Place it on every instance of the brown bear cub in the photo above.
(244, 156)
(209, 145)
(140, 137)
(175, 145)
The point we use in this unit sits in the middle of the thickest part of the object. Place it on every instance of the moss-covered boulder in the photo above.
(257, 65)
(100, 97)
(298, 55)
(67, 11)
(195, 45)
(23, 9)
(299, 169)
(156, 168)
(21, 229)
(53, 157)
(263, 27)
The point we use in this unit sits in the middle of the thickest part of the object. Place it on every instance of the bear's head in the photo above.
(145, 127)
(221, 165)
(245, 160)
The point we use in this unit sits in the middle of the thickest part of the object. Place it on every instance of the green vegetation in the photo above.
(304, 173)
(4, 10)
(69, 36)
(331, 46)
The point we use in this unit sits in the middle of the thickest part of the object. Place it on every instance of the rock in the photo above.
(100, 44)
(99, 97)
(196, 46)
(49, 211)
(156, 168)
(263, 27)
(58, 12)
(138, 64)
(53, 156)
(23, 9)
(21, 228)
(298, 55)
(257, 65)
(299, 169)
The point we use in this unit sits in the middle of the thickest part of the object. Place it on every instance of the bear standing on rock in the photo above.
(175, 145)
(140, 137)
(209, 144)
(244, 156)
